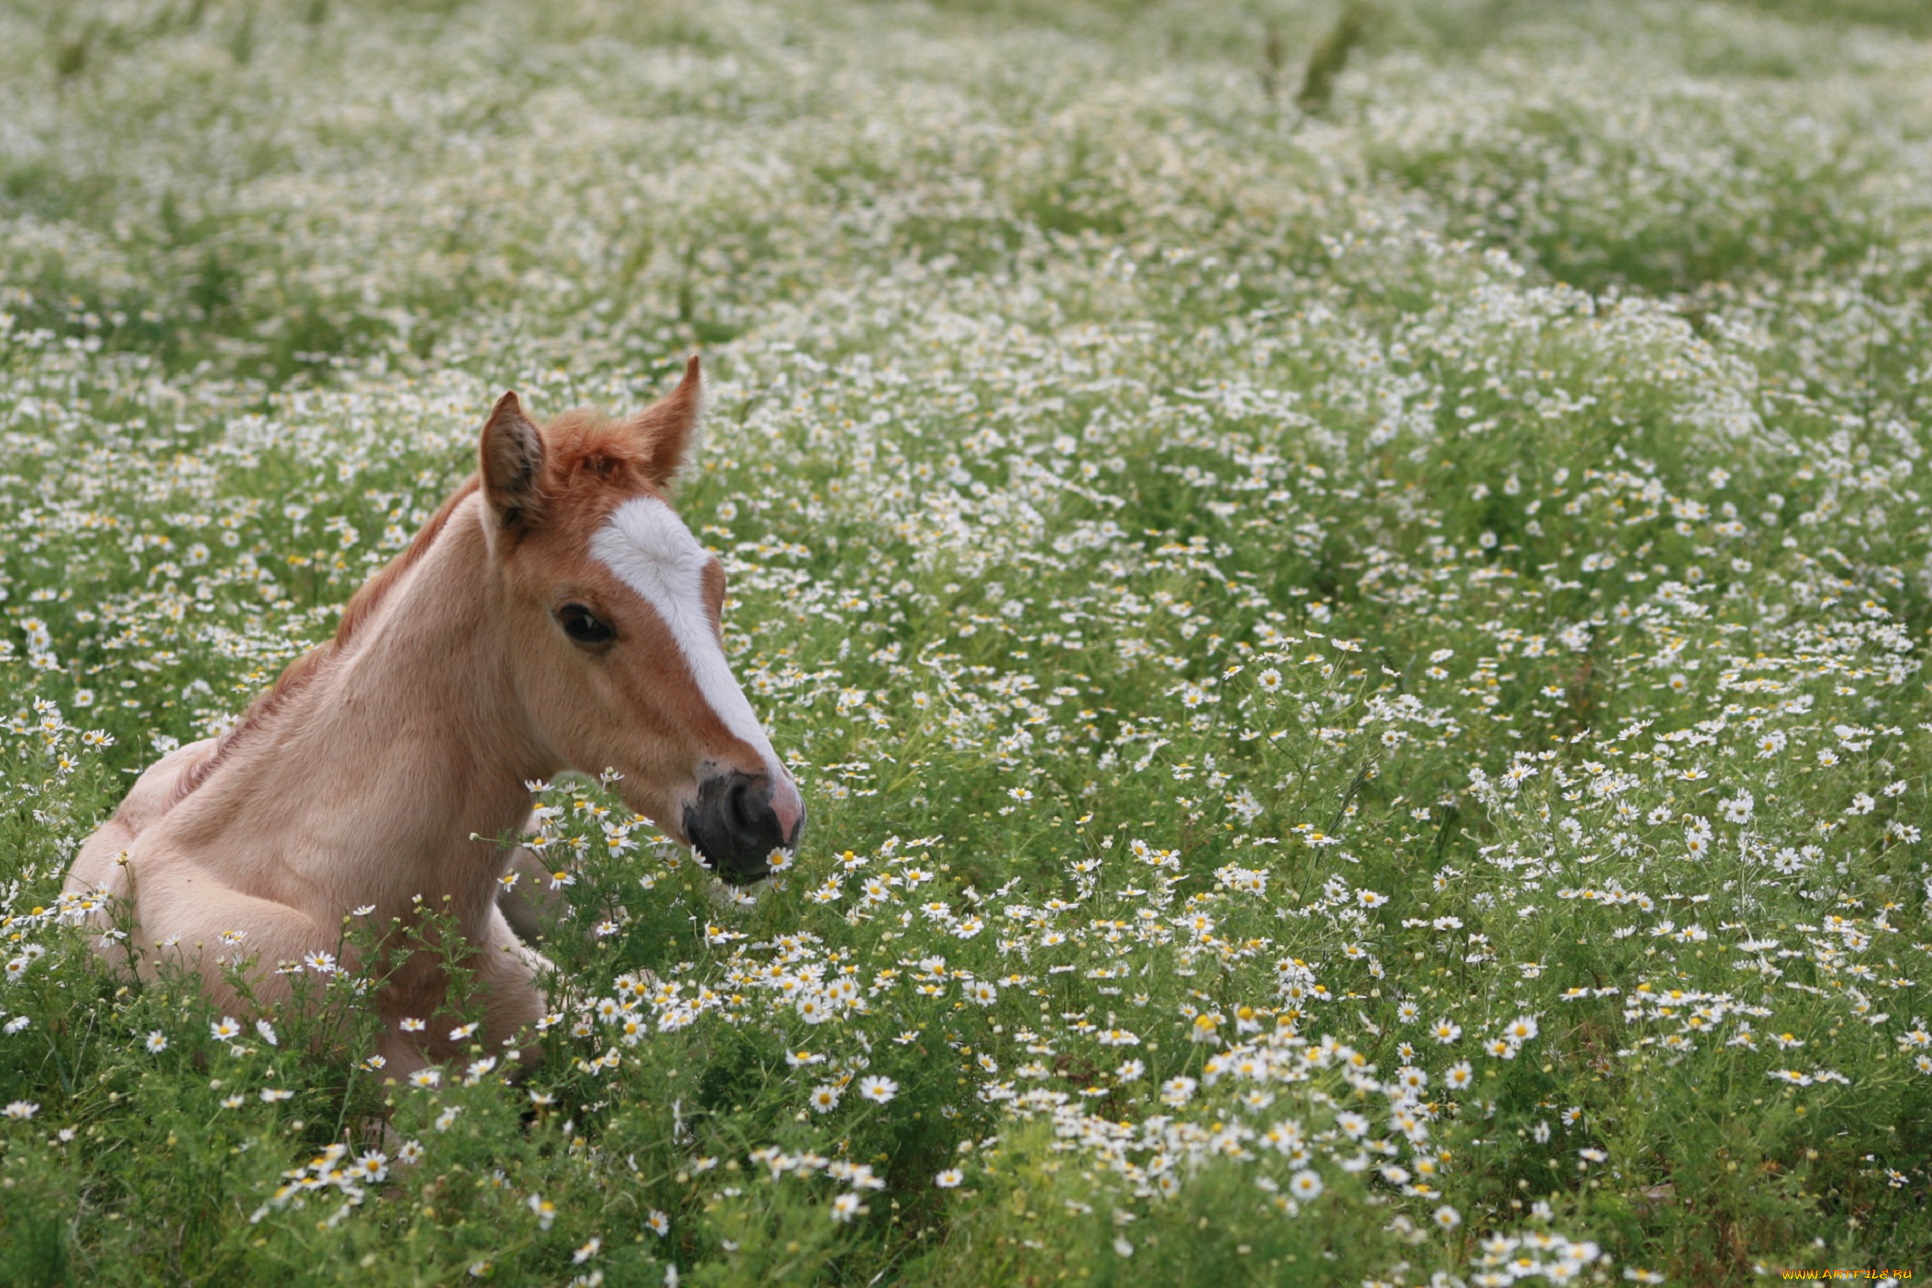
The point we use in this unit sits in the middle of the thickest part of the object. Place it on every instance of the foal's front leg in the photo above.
(530, 905)
(508, 972)
(504, 976)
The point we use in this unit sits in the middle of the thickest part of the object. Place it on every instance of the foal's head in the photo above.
(611, 620)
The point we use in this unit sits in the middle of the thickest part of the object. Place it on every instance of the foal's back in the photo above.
(100, 864)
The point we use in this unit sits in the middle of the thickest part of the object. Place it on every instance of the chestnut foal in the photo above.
(554, 614)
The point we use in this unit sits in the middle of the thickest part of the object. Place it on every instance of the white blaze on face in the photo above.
(649, 548)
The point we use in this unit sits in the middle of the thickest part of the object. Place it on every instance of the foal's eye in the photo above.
(582, 625)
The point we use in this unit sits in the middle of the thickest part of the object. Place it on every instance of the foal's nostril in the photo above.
(742, 806)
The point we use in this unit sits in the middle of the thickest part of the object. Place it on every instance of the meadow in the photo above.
(1345, 599)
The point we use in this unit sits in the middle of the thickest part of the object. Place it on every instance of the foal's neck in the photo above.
(408, 742)
(423, 688)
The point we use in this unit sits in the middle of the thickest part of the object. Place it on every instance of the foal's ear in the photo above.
(512, 458)
(667, 429)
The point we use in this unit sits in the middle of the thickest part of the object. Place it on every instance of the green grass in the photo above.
(1261, 606)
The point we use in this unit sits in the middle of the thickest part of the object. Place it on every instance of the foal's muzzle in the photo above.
(736, 826)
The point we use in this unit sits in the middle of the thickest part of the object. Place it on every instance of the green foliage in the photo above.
(1357, 679)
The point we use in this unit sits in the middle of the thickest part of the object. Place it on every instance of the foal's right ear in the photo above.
(512, 458)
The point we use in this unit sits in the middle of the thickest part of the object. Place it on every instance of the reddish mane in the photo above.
(304, 668)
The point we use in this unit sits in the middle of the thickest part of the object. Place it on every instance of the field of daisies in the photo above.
(1348, 592)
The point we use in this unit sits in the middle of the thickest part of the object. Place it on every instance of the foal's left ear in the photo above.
(667, 429)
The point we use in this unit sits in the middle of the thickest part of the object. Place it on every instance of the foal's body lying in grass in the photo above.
(554, 614)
